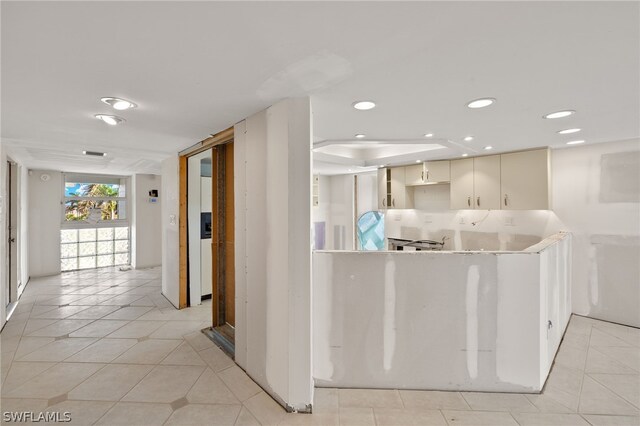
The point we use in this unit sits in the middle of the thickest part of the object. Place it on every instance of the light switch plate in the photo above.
(508, 221)
(462, 220)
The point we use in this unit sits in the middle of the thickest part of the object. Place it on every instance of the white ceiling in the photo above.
(197, 68)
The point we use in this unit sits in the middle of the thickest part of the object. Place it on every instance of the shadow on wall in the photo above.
(620, 177)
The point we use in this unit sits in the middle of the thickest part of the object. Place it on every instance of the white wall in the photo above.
(601, 208)
(491, 231)
(336, 209)
(146, 227)
(170, 209)
(272, 160)
(45, 217)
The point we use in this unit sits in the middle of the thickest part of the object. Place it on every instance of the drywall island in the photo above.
(458, 320)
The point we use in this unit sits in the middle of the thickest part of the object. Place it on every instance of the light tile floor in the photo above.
(107, 347)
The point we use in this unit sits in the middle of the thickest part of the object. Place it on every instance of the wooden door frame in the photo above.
(222, 137)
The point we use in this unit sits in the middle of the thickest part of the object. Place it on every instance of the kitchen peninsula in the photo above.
(441, 320)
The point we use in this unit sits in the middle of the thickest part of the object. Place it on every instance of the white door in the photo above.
(461, 189)
(437, 171)
(398, 188)
(382, 189)
(486, 182)
(414, 175)
(525, 180)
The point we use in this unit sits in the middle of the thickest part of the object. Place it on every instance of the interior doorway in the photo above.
(199, 211)
(207, 234)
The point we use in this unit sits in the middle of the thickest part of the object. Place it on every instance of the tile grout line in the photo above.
(583, 370)
(613, 391)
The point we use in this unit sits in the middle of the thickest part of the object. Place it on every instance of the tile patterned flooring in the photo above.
(107, 347)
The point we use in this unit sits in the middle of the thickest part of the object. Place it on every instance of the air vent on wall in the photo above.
(95, 153)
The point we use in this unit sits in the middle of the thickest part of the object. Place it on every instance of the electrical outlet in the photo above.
(397, 218)
(508, 221)
(462, 220)
(428, 219)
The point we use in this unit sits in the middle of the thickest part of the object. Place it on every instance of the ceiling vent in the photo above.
(95, 153)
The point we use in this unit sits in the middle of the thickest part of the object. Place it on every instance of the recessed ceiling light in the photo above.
(465, 155)
(575, 142)
(360, 136)
(381, 165)
(119, 104)
(111, 120)
(568, 131)
(559, 114)
(468, 138)
(488, 147)
(481, 103)
(364, 105)
(417, 161)
(428, 135)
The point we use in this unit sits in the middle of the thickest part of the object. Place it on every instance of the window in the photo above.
(95, 228)
(94, 199)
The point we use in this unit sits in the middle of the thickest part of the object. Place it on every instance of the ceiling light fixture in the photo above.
(360, 136)
(481, 103)
(465, 155)
(559, 114)
(575, 142)
(111, 120)
(488, 147)
(364, 105)
(468, 138)
(568, 131)
(417, 161)
(118, 103)
(428, 135)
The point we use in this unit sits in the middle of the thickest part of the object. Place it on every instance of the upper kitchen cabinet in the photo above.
(525, 180)
(486, 182)
(475, 183)
(461, 189)
(427, 173)
(437, 171)
(392, 190)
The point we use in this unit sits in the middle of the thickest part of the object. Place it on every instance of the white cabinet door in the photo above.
(382, 189)
(414, 175)
(461, 189)
(525, 180)
(486, 182)
(399, 191)
(436, 171)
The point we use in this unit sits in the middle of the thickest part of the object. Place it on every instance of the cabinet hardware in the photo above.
(478, 201)
(422, 176)
(384, 201)
(505, 199)
(427, 174)
(393, 202)
(469, 201)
